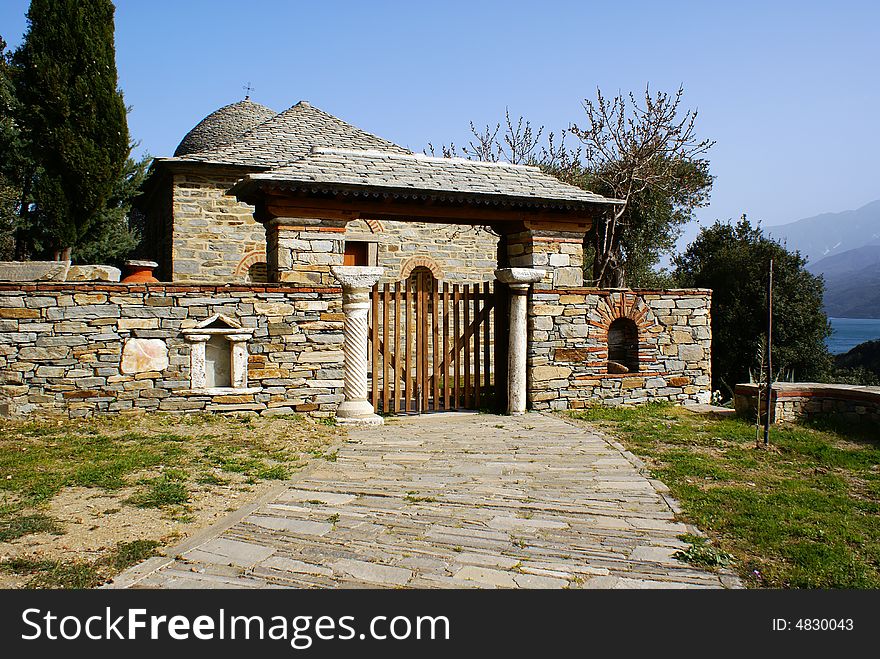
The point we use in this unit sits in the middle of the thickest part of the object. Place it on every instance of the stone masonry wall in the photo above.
(803, 400)
(455, 253)
(62, 348)
(215, 236)
(568, 347)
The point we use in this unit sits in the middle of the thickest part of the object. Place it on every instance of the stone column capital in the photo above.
(356, 276)
(197, 338)
(519, 278)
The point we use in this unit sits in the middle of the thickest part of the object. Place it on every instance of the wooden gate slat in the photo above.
(476, 296)
(397, 347)
(446, 384)
(419, 318)
(487, 353)
(386, 355)
(456, 349)
(435, 344)
(423, 377)
(374, 333)
(407, 382)
(466, 341)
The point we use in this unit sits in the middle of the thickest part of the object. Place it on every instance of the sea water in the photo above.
(850, 332)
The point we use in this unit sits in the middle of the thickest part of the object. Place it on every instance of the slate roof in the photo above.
(290, 136)
(373, 172)
(223, 126)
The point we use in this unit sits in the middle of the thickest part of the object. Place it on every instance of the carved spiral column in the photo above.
(356, 284)
(356, 307)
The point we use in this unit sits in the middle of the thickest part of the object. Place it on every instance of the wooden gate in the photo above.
(432, 345)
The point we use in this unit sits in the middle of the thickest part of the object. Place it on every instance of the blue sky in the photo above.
(788, 89)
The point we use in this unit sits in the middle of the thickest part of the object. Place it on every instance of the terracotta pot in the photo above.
(139, 272)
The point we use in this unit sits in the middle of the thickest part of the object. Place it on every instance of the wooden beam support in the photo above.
(350, 208)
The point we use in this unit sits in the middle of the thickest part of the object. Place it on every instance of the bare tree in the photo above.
(646, 155)
(629, 149)
(517, 144)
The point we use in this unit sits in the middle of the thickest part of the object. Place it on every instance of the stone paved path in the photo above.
(450, 500)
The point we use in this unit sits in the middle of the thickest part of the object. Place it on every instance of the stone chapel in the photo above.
(196, 231)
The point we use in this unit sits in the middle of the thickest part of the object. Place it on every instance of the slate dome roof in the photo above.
(223, 126)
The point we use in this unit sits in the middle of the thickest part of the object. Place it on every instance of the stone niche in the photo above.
(219, 356)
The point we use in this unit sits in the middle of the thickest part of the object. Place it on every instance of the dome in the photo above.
(223, 126)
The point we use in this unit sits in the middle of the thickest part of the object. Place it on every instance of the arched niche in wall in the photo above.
(623, 346)
(219, 356)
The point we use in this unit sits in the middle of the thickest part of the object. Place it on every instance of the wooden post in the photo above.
(769, 355)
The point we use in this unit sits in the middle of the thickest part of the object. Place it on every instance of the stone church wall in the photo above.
(215, 239)
(215, 236)
(452, 252)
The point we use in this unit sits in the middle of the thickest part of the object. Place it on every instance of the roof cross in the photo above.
(248, 89)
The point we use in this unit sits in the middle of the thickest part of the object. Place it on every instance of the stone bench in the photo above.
(798, 400)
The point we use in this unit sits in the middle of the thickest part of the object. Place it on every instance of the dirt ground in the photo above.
(225, 463)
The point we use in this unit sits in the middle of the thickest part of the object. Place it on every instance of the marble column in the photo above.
(519, 280)
(198, 376)
(356, 284)
(238, 363)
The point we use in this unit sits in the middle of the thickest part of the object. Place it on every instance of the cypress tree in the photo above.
(75, 117)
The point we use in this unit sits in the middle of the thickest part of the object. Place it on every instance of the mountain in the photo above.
(831, 233)
(865, 355)
(852, 282)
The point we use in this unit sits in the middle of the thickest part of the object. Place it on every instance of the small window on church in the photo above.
(359, 253)
(256, 274)
(623, 346)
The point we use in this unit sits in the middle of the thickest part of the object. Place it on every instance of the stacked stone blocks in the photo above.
(568, 347)
(802, 400)
(212, 232)
(82, 349)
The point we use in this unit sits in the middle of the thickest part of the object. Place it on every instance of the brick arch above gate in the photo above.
(250, 259)
(421, 262)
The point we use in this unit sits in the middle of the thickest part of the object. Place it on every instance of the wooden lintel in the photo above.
(395, 210)
(276, 210)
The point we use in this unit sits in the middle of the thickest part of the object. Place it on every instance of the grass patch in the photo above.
(60, 574)
(166, 490)
(804, 513)
(16, 527)
(413, 497)
(702, 554)
(167, 458)
(131, 553)
(55, 574)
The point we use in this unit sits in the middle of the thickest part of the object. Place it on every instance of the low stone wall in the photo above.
(799, 400)
(81, 349)
(568, 351)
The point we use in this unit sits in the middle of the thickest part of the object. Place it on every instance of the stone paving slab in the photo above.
(451, 501)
